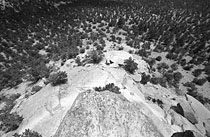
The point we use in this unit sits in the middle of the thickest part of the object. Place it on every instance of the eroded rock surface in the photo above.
(139, 110)
(105, 114)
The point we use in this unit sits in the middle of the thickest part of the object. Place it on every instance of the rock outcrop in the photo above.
(105, 114)
(75, 109)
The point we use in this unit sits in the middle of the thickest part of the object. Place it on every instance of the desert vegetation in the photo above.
(28, 133)
(145, 78)
(9, 121)
(110, 87)
(172, 37)
(130, 65)
(94, 57)
(58, 78)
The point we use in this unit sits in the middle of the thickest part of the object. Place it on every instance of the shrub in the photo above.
(58, 78)
(191, 87)
(162, 66)
(71, 53)
(93, 36)
(87, 47)
(119, 39)
(146, 46)
(153, 69)
(169, 55)
(102, 41)
(159, 58)
(10, 121)
(174, 66)
(28, 133)
(130, 65)
(36, 89)
(120, 22)
(142, 53)
(183, 62)
(145, 78)
(99, 47)
(163, 81)
(208, 78)
(78, 61)
(84, 36)
(154, 80)
(160, 103)
(188, 67)
(197, 72)
(120, 48)
(169, 77)
(113, 38)
(150, 61)
(207, 69)
(38, 70)
(130, 51)
(179, 92)
(199, 82)
(189, 84)
(177, 76)
(111, 87)
(82, 50)
(199, 61)
(95, 57)
(10, 77)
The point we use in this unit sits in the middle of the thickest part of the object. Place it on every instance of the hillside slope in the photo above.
(153, 56)
(50, 110)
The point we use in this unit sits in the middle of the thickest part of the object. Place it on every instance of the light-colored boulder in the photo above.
(117, 57)
(105, 114)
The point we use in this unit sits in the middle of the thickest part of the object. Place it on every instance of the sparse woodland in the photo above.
(36, 32)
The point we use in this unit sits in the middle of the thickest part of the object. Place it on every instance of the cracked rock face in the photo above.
(105, 114)
(74, 110)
